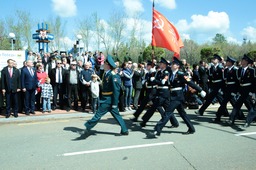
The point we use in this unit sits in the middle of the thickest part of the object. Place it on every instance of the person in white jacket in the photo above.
(95, 89)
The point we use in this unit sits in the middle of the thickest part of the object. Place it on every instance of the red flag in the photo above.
(164, 34)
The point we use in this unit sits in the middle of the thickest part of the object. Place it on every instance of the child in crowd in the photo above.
(46, 95)
(95, 89)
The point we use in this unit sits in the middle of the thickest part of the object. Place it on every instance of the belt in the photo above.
(246, 84)
(162, 87)
(176, 89)
(232, 82)
(216, 81)
(107, 93)
(150, 87)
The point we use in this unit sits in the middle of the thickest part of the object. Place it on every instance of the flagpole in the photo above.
(153, 49)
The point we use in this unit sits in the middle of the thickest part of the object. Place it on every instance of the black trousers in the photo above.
(150, 95)
(73, 95)
(222, 110)
(86, 96)
(174, 104)
(58, 89)
(11, 100)
(158, 104)
(210, 97)
(243, 99)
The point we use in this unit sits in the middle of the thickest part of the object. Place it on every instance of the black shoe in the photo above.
(173, 126)
(154, 134)
(15, 115)
(53, 108)
(7, 116)
(124, 133)
(27, 113)
(216, 120)
(142, 124)
(230, 122)
(43, 111)
(134, 119)
(198, 113)
(68, 109)
(33, 112)
(188, 132)
(246, 125)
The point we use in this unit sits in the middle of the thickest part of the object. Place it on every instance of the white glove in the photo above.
(152, 78)
(252, 95)
(84, 82)
(203, 93)
(114, 106)
(163, 81)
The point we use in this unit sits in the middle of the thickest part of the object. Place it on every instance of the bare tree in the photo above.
(25, 23)
(117, 25)
(85, 29)
(96, 29)
(57, 27)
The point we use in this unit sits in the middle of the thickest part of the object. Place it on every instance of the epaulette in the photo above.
(113, 72)
(221, 66)
(180, 72)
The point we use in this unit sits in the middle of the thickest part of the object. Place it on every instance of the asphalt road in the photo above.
(57, 144)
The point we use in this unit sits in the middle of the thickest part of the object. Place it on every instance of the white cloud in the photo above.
(249, 33)
(233, 40)
(202, 27)
(64, 8)
(143, 29)
(133, 7)
(170, 4)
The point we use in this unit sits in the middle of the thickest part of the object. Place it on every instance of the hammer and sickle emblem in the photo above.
(159, 23)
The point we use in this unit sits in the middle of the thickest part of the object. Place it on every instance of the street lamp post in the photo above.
(79, 37)
(12, 37)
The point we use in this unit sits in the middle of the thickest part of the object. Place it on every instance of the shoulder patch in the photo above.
(166, 72)
(113, 72)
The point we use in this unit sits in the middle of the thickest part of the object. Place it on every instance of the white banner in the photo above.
(18, 56)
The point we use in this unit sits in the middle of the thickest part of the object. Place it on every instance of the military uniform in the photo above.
(150, 93)
(216, 79)
(162, 98)
(177, 85)
(230, 89)
(246, 78)
(110, 93)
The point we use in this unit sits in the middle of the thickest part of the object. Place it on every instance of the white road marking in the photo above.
(44, 122)
(245, 134)
(117, 148)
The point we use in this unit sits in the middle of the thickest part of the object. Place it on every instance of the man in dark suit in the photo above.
(203, 76)
(10, 86)
(58, 80)
(28, 84)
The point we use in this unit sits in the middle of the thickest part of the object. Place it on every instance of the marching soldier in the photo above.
(177, 84)
(150, 91)
(109, 101)
(230, 87)
(246, 76)
(162, 98)
(215, 77)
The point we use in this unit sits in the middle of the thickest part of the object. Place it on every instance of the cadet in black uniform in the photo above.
(246, 76)
(230, 87)
(150, 91)
(162, 98)
(177, 81)
(216, 79)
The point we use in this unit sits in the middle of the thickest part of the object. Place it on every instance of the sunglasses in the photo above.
(58, 63)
